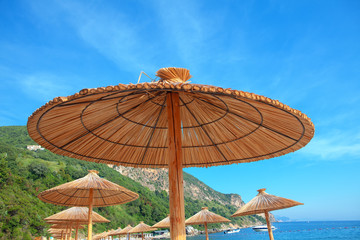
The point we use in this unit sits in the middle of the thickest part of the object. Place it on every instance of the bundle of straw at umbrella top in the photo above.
(91, 191)
(170, 123)
(264, 203)
(205, 217)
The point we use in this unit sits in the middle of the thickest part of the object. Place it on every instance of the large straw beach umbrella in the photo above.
(141, 228)
(205, 217)
(264, 203)
(76, 215)
(91, 191)
(172, 124)
(165, 223)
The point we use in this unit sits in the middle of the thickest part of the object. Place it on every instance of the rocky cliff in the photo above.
(157, 179)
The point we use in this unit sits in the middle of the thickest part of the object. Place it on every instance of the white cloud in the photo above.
(344, 145)
(43, 86)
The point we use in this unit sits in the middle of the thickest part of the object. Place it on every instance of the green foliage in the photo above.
(24, 174)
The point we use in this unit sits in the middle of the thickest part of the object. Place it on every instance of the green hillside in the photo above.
(24, 174)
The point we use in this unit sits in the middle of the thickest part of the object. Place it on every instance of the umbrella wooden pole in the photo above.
(269, 225)
(206, 231)
(91, 202)
(76, 232)
(142, 236)
(176, 189)
(66, 233)
(61, 235)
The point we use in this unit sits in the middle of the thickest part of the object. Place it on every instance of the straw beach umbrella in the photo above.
(264, 203)
(170, 124)
(115, 232)
(165, 223)
(77, 215)
(66, 225)
(126, 231)
(141, 228)
(205, 217)
(91, 191)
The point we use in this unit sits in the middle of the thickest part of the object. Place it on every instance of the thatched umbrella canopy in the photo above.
(205, 217)
(76, 216)
(115, 232)
(165, 223)
(264, 203)
(169, 123)
(91, 191)
(141, 228)
(60, 233)
(67, 225)
(125, 231)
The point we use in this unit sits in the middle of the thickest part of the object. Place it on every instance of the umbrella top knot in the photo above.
(93, 171)
(173, 75)
(204, 208)
(261, 190)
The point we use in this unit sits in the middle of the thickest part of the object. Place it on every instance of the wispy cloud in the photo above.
(43, 86)
(334, 146)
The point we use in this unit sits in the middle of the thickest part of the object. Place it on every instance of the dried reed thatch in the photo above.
(205, 216)
(115, 232)
(265, 202)
(76, 193)
(76, 214)
(127, 124)
(141, 227)
(63, 226)
(125, 230)
(165, 223)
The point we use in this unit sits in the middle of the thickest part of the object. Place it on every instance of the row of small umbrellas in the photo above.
(89, 191)
(169, 123)
(140, 228)
(262, 203)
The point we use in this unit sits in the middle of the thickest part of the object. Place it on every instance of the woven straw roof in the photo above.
(76, 214)
(64, 225)
(141, 227)
(205, 216)
(165, 223)
(125, 230)
(265, 202)
(127, 124)
(76, 193)
(115, 232)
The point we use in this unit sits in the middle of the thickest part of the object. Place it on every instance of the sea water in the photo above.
(313, 230)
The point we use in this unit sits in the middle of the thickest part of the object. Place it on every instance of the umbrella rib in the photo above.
(192, 114)
(71, 196)
(102, 197)
(101, 125)
(249, 120)
(153, 130)
(122, 114)
(82, 112)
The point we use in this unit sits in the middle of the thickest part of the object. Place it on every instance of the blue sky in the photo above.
(304, 53)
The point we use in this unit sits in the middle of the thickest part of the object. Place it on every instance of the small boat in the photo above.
(262, 228)
(232, 231)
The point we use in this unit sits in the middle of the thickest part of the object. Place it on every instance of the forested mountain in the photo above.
(25, 173)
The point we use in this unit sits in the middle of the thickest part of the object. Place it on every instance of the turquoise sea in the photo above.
(313, 230)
